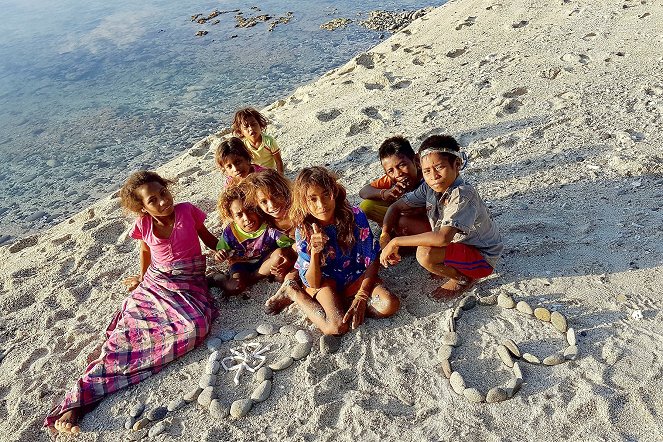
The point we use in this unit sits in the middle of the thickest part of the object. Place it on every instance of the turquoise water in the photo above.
(90, 91)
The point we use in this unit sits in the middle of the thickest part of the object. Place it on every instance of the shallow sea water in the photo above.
(90, 91)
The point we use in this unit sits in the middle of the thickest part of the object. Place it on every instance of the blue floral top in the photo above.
(343, 269)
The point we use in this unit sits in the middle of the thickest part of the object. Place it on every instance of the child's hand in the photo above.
(389, 255)
(132, 282)
(357, 310)
(396, 191)
(384, 239)
(221, 255)
(318, 240)
(280, 269)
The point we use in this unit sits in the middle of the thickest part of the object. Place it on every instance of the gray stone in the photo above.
(140, 424)
(302, 336)
(524, 307)
(207, 380)
(301, 350)
(444, 352)
(192, 395)
(542, 313)
(214, 344)
(505, 301)
(554, 359)
(496, 394)
(468, 302)
(457, 382)
(266, 329)
(559, 321)
(137, 409)
(517, 372)
(473, 395)
(156, 414)
(329, 344)
(206, 396)
(264, 373)
(218, 409)
(512, 347)
(505, 356)
(446, 368)
(262, 391)
(129, 423)
(458, 313)
(513, 386)
(282, 364)
(528, 357)
(176, 404)
(571, 352)
(288, 330)
(227, 335)
(157, 429)
(488, 300)
(214, 356)
(241, 407)
(245, 334)
(450, 338)
(571, 336)
(212, 367)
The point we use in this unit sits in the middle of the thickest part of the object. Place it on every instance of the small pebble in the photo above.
(571, 336)
(571, 352)
(264, 373)
(473, 395)
(446, 368)
(282, 364)
(206, 396)
(288, 330)
(458, 313)
(207, 380)
(329, 344)
(140, 424)
(542, 313)
(262, 391)
(488, 300)
(496, 394)
(214, 344)
(214, 356)
(218, 409)
(524, 307)
(444, 353)
(245, 334)
(516, 370)
(457, 382)
(505, 301)
(302, 336)
(513, 386)
(512, 347)
(137, 409)
(301, 350)
(531, 358)
(192, 395)
(554, 359)
(129, 423)
(241, 407)
(157, 429)
(176, 404)
(559, 321)
(450, 338)
(156, 414)
(468, 302)
(227, 335)
(266, 329)
(212, 367)
(505, 356)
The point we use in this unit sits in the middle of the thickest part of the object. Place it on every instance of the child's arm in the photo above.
(145, 260)
(357, 310)
(316, 245)
(368, 192)
(208, 239)
(391, 221)
(279, 162)
(441, 238)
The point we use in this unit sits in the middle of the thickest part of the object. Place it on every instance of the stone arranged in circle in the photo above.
(266, 329)
(140, 424)
(516, 371)
(457, 382)
(513, 386)
(302, 336)
(473, 395)
(542, 313)
(245, 334)
(488, 300)
(329, 344)
(571, 336)
(512, 347)
(554, 359)
(176, 404)
(282, 364)
(288, 330)
(558, 321)
(264, 373)
(206, 396)
(214, 344)
(227, 335)
(524, 307)
(129, 423)
(157, 429)
(262, 391)
(218, 409)
(241, 407)
(505, 301)
(450, 338)
(571, 352)
(528, 357)
(496, 394)
(192, 395)
(212, 367)
(505, 356)
(444, 353)
(207, 380)
(446, 368)
(156, 414)
(301, 350)
(137, 409)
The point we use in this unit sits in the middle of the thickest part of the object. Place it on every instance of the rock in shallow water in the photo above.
(241, 407)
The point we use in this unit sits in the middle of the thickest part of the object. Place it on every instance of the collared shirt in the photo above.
(263, 154)
(460, 206)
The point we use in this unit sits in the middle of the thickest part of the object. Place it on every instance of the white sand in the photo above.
(559, 106)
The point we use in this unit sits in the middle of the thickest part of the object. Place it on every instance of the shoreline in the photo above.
(560, 111)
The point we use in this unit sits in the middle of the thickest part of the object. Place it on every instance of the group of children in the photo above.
(304, 234)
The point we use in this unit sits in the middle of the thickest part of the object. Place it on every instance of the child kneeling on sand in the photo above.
(253, 249)
(464, 244)
(234, 160)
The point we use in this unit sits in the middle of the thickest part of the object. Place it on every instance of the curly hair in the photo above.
(128, 198)
(271, 183)
(231, 193)
(344, 218)
(231, 146)
(244, 114)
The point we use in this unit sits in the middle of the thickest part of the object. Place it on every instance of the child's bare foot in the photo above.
(452, 288)
(68, 422)
(281, 299)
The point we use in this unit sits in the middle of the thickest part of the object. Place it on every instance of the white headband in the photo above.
(431, 150)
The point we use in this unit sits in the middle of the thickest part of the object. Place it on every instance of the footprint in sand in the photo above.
(456, 52)
(189, 172)
(520, 24)
(109, 233)
(469, 21)
(373, 86)
(509, 107)
(23, 244)
(359, 127)
(516, 92)
(366, 60)
(327, 115)
(36, 360)
(401, 84)
(371, 112)
(590, 36)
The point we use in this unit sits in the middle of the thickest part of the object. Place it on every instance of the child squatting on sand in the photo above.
(254, 249)
(464, 244)
(250, 125)
(234, 160)
(168, 312)
(337, 256)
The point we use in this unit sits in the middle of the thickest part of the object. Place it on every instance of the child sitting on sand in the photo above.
(250, 125)
(271, 192)
(337, 259)
(464, 244)
(168, 312)
(234, 160)
(253, 249)
(402, 175)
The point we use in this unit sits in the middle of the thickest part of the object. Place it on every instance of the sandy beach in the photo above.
(559, 106)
